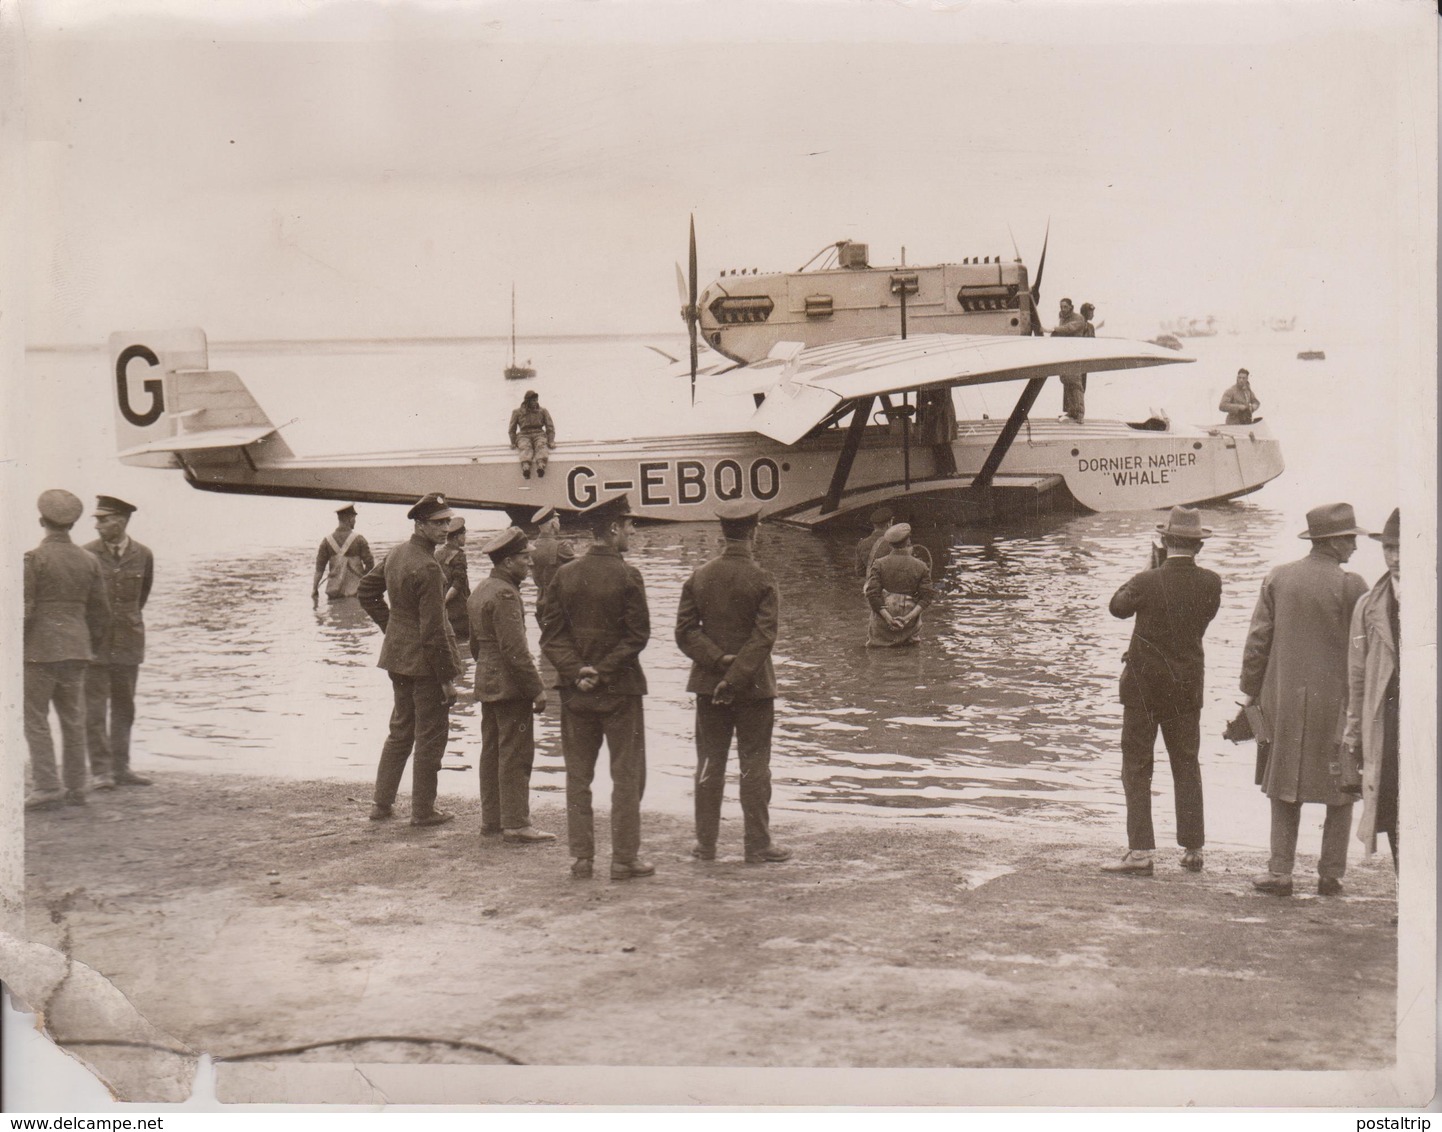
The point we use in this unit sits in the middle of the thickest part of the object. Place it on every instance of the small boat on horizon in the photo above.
(513, 371)
(1311, 355)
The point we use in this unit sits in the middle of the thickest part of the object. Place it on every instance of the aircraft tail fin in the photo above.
(169, 403)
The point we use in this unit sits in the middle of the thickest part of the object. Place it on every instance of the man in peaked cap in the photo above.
(1161, 687)
(66, 620)
(129, 570)
(509, 690)
(1372, 735)
(594, 624)
(726, 624)
(451, 554)
(898, 589)
(419, 653)
(546, 552)
(344, 558)
(880, 521)
(532, 434)
(1294, 665)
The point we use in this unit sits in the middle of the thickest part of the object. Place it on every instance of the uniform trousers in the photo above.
(533, 448)
(751, 722)
(419, 720)
(1183, 737)
(110, 689)
(508, 751)
(623, 727)
(1287, 818)
(61, 682)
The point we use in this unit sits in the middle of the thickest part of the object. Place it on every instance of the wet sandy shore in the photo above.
(243, 917)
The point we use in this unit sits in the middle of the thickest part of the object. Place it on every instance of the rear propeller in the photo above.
(1036, 286)
(686, 286)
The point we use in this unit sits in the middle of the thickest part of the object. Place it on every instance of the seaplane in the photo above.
(851, 369)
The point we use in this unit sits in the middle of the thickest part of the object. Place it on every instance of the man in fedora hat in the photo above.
(1161, 688)
(344, 558)
(66, 623)
(726, 624)
(1374, 680)
(594, 624)
(129, 570)
(1294, 666)
(509, 690)
(533, 434)
(419, 653)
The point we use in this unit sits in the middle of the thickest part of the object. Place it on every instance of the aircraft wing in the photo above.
(809, 384)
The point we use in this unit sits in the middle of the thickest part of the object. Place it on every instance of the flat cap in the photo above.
(505, 543)
(432, 506)
(898, 534)
(739, 511)
(59, 506)
(880, 515)
(109, 505)
(544, 515)
(617, 507)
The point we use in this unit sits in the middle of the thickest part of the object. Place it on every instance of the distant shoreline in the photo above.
(433, 340)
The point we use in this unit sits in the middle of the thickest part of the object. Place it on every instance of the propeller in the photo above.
(693, 316)
(1040, 267)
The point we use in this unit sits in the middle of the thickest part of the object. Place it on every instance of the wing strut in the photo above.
(1008, 434)
(839, 475)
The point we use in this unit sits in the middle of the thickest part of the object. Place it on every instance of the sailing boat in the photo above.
(513, 371)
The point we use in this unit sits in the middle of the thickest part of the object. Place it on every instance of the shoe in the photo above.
(540, 473)
(527, 835)
(435, 817)
(701, 853)
(771, 855)
(1329, 886)
(625, 870)
(380, 812)
(75, 797)
(1134, 863)
(102, 782)
(45, 800)
(1273, 883)
(490, 831)
(581, 868)
(130, 778)
(526, 472)
(1192, 860)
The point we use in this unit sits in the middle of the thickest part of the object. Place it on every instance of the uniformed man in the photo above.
(343, 559)
(419, 653)
(898, 589)
(726, 624)
(129, 571)
(509, 690)
(594, 624)
(532, 434)
(66, 622)
(880, 521)
(546, 552)
(451, 554)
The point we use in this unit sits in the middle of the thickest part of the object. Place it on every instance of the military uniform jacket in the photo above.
(729, 607)
(595, 614)
(458, 577)
(1165, 665)
(67, 605)
(504, 668)
(898, 574)
(545, 560)
(418, 638)
(128, 581)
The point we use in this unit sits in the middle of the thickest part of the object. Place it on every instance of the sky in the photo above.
(319, 170)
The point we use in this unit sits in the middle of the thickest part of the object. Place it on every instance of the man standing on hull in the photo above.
(509, 690)
(726, 624)
(594, 624)
(1295, 664)
(129, 571)
(419, 652)
(1161, 687)
(66, 622)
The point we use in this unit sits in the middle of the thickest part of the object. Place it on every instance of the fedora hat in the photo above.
(1391, 534)
(1184, 522)
(1331, 520)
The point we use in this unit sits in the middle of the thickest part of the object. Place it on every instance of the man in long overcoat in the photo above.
(419, 653)
(1372, 735)
(1295, 665)
(129, 571)
(509, 690)
(726, 624)
(1161, 687)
